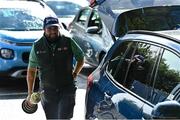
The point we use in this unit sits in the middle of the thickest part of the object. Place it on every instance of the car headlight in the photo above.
(7, 53)
(7, 41)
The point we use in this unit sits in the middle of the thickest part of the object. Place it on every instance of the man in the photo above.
(53, 55)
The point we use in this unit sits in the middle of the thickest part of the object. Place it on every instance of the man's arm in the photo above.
(31, 77)
(79, 56)
(31, 72)
(78, 67)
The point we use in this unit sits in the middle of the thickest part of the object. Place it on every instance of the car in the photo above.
(20, 26)
(139, 77)
(66, 9)
(91, 34)
(141, 70)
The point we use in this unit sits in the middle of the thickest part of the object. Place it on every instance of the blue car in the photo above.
(21, 23)
(139, 77)
(141, 70)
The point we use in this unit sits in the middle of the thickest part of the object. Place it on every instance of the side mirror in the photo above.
(92, 30)
(64, 25)
(166, 110)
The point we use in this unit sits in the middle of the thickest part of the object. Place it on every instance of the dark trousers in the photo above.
(59, 103)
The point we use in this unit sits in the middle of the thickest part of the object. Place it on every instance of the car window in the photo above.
(123, 66)
(141, 67)
(20, 19)
(116, 60)
(132, 66)
(83, 17)
(168, 76)
(95, 20)
(63, 8)
(150, 22)
(154, 19)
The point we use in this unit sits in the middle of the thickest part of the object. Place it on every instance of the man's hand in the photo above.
(74, 75)
(78, 67)
(31, 77)
(28, 97)
(28, 100)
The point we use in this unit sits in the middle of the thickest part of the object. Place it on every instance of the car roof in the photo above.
(173, 35)
(82, 3)
(169, 38)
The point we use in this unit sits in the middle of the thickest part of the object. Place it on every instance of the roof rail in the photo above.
(153, 33)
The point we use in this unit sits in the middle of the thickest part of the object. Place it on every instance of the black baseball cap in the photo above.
(51, 21)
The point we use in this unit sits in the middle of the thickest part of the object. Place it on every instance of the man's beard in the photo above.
(52, 39)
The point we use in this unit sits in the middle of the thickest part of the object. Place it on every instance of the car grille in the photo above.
(24, 44)
(25, 57)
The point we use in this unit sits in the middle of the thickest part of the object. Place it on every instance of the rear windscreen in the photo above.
(152, 18)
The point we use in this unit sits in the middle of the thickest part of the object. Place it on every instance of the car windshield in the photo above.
(20, 19)
(64, 8)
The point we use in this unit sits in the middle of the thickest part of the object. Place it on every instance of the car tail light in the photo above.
(95, 2)
(92, 3)
(90, 81)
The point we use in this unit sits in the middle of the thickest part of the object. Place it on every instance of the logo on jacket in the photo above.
(41, 52)
(62, 49)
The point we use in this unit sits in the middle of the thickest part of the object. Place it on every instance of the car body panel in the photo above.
(114, 101)
(16, 36)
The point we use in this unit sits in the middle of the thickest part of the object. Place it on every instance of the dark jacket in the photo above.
(55, 65)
